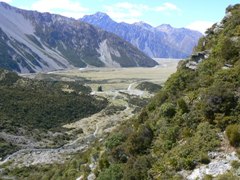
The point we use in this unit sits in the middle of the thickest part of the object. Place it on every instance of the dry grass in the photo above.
(120, 78)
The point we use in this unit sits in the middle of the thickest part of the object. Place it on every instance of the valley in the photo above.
(124, 101)
(88, 99)
(115, 78)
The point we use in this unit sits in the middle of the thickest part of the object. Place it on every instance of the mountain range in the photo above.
(33, 42)
(162, 41)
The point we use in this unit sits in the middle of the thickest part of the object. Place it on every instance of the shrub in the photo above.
(103, 162)
(204, 158)
(139, 141)
(207, 177)
(137, 168)
(6, 148)
(233, 134)
(235, 164)
(114, 172)
(182, 106)
(227, 176)
(114, 140)
(188, 154)
(223, 121)
(119, 154)
(219, 98)
(149, 86)
(143, 116)
(168, 110)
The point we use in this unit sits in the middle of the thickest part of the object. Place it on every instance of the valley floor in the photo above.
(118, 87)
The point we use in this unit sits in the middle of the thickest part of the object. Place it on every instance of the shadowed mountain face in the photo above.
(31, 42)
(163, 41)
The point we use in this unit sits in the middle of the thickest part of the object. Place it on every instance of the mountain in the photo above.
(163, 41)
(31, 42)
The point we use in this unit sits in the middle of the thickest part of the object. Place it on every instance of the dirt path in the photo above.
(130, 86)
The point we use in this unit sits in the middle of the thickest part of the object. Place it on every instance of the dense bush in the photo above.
(167, 110)
(114, 140)
(190, 153)
(227, 176)
(219, 98)
(114, 172)
(149, 86)
(41, 109)
(42, 105)
(6, 148)
(182, 106)
(138, 168)
(233, 134)
(7, 79)
(140, 140)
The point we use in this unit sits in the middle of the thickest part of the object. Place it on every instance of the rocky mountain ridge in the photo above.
(32, 42)
(163, 41)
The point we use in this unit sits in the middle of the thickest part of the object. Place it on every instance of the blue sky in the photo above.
(194, 14)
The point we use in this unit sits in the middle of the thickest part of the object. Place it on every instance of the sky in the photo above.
(194, 14)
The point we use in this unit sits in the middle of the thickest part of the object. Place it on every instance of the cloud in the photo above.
(6, 1)
(130, 13)
(125, 11)
(201, 26)
(63, 7)
(167, 7)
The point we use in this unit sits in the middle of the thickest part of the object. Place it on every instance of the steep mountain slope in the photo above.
(32, 41)
(163, 41)
(190, 130)
(181, 38)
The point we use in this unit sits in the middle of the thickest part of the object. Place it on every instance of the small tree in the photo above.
(99, 89)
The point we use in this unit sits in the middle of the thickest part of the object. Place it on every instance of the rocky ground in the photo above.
(86, 130)
(220, 162)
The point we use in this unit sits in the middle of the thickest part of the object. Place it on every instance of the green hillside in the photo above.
(182, 123)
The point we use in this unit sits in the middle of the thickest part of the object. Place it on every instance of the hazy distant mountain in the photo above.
(31, 41)
(163, 41)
